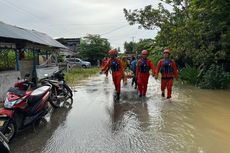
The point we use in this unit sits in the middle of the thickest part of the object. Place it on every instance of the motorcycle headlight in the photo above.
(10, 104)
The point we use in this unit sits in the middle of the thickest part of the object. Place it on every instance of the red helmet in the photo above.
(112, 52)
(167, 51)
(144, 52)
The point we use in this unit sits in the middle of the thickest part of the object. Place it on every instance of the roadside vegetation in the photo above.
(75, 75)
(198, 33)
(7, 61)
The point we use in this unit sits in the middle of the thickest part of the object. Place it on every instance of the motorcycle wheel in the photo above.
(69, 93)
(10, 130)
(54, 101)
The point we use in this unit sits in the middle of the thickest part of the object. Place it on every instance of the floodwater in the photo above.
(194, 121)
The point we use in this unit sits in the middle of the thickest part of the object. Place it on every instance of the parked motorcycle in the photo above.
(4, 147)
(60, 90)
(24, 84)
(22, 108)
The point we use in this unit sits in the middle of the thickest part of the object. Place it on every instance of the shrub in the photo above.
(29, 55)
(214, 78)
(189, 74)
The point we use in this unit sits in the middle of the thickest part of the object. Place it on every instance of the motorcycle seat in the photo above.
(37, 94)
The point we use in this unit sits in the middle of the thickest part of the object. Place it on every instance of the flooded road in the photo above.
(195, 121)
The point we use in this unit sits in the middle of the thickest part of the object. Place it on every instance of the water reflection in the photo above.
(196, 121)
(130, 116)
(33, 140)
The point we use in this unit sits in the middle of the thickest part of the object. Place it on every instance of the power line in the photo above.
(85, 24)
(19, 9)
(25, 12)
(114, 30)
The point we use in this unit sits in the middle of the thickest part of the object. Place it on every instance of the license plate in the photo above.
(2, 123)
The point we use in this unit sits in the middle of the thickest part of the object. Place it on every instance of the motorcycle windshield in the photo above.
(17, 91)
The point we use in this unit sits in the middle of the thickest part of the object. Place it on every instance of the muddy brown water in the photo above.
(195, 121)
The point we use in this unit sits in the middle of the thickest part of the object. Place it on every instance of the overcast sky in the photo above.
(76, 18)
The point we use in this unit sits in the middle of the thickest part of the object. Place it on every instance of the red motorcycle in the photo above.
(23, 107)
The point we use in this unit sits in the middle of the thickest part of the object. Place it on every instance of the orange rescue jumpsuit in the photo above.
(142, 72)
(168, 71)
(117, 72)
(104, 62)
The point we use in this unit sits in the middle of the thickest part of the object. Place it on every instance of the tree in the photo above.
(94, 48)
(129, 47)
(197, 31)
(133, 47)
(144, 44)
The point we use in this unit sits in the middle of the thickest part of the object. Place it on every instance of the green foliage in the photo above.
(155, 56)
(8, 60)
(130, 47)
(142, 44)
(29, 55)
(73, 76)
(215, 77)
(189, 74)
(197, 31)
(93, 48)
(60, 58)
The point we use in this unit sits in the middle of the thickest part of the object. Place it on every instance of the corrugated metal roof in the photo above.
(9, 31)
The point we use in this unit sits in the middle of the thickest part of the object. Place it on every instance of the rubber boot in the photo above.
(118, 96)
(163, 94)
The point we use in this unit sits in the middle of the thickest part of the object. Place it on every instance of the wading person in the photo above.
(167, 68)
(103, 63)
(117, 71)
(142, 72)
(125, 64)
(133, 66)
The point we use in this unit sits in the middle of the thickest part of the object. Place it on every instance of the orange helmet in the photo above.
(144, 52)
(112, 52)
(167, 51)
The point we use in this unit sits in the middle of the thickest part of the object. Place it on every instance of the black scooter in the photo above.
(60, 90)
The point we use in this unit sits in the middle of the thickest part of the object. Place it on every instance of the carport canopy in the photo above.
(16, 37)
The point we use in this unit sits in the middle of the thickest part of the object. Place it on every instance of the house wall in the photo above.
(25, 66)
(7, 80)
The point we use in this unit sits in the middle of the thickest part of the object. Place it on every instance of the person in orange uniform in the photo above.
(142, 72)
(125, 64)
(117, 71)
(168, 70)
(104, 61)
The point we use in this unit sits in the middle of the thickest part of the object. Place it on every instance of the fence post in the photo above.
(17, 59)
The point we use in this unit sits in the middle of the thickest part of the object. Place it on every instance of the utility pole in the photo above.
(134, 45)
(133, 42)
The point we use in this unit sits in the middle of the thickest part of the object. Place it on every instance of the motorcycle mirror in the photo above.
(27, 75)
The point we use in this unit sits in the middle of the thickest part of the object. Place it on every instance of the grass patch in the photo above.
(73, 76)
